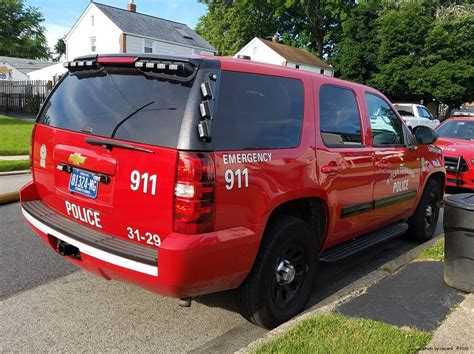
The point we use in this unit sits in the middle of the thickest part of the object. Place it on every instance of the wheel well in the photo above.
(439, 177)
(313, 211)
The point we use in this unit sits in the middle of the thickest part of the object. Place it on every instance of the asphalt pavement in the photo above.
(47, 304)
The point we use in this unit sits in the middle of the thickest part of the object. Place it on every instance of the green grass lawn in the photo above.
(15, 136)
(335, 333)
(433, 253)
(15, 165)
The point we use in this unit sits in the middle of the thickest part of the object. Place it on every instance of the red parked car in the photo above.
(456, 139)
(188, 176)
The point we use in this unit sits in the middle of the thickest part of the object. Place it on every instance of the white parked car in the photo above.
(416, 114)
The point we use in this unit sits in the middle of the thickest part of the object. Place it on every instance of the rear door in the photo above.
(105, 151)
(345, 160)
(397, 168)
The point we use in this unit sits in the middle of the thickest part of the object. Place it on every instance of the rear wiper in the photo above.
(128, 117)
(108, 144)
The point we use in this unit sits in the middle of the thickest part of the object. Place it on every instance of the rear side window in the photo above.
(258, 112)
(339, 117)
(405, 110)
(120, 103)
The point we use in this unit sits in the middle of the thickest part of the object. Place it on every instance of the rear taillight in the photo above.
(194, 193)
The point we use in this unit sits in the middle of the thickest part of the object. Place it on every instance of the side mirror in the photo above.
(424, 135)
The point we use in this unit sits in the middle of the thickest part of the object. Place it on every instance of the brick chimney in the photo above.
(131, 6)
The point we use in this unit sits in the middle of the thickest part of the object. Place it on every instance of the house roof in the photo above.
(153, 27)
(25, 65)
(297, 55)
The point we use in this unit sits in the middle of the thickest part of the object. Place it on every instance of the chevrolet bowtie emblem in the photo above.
(77, 159)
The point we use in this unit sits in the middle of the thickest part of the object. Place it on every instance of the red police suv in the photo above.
(188, 176)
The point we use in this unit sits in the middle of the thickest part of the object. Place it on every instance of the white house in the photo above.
(17, 69)
(272, 52)
(105, 29)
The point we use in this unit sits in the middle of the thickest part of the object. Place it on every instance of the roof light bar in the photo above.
(73, 64)
(150, 65)
(80, 63)
(174, 66)
(161, 66)
(139, 64)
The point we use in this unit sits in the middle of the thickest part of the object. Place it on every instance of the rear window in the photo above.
(258, 112)
(120, 103)
(405, 110)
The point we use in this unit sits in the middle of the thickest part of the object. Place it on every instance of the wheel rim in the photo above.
(290, 274)
(431, 211)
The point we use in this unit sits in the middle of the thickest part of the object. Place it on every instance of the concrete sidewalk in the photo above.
(456, 333)
(10, 184)
(14, 157)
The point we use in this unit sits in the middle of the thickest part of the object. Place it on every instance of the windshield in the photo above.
(457, 129)
(120, 103)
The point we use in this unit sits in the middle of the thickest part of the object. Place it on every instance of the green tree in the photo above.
(448, 56)
(356, 53)
(60, 48)
(402, 29)
(230, 24)
(21, 31)
(313, 24)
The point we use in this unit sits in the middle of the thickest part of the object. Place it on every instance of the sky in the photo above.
(60, 15)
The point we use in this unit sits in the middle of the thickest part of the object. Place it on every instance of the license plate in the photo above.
(83, 182)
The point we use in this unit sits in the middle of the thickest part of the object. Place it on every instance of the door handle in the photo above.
(383, 165)
(331, 169)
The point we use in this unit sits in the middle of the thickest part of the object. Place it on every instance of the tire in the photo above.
(267, 297)
(422, 223)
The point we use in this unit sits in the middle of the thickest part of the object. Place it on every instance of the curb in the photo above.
(13, 173)
(10, 197)
(345, 294)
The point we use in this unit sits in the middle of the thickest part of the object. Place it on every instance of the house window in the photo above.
(321, 71)
(92, 20)
(148, 46)
(93, 45)
(297, 66)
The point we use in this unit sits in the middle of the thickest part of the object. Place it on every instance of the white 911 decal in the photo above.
(147, 181)
(239, 177)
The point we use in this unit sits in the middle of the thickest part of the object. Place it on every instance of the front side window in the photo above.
(148, 46)
(258, 112)
(387, 129)
(423, 112)
(339, 117)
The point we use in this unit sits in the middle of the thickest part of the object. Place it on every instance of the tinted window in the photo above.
(98, 105)
(458, 129)
(258, 112)
(387, 129)
(339, 117)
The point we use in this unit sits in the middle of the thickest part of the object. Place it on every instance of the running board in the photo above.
(363, 242)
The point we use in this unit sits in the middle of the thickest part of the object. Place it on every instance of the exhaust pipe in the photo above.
(65, 249)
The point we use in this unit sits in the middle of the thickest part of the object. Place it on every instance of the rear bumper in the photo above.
(184, 265)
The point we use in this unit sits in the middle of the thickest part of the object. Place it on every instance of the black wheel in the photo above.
(422, 223)
(281, 280)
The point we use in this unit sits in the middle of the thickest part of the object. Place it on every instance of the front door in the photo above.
(397, 168)
(345, 163)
